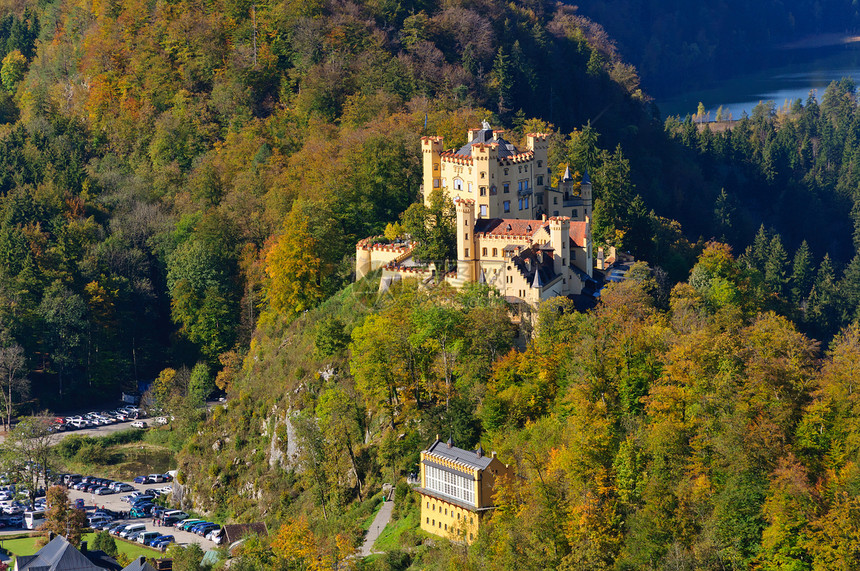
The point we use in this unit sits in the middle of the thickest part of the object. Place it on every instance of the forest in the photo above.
(181, 188)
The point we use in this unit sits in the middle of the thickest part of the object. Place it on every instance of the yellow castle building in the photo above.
(514, 230)
(456, 489)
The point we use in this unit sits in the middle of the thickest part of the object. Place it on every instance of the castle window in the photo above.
(526, 202)
(526, 184)
(493, 190)
(507, 205)
(428, 520)
(506, 188)
(520, 201)
(446, 527)
(495, 252)
(506, 171)
(458, 184)
(483, 210)
(483, 251)
(521, 169)
(540, 180)
(446, 511)
(525, 168)
(555, 201)
(483, 190)
(435, 167)
(435, 183)
(470, 187)
(563, 261)
(483, 174)
(574, 213)
(471, 537)
(540, 163)
(520, 186)
(467, 252)
(458, 515)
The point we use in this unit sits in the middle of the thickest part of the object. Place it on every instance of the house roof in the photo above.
(578, 232)
(139, 564)
(60, 555)
(469, 458)
(485, 136)
(236, 531)
(507, 227)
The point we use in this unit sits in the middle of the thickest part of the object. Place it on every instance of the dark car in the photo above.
(161, 541)
(118, 529)
(140, 480)
(203, 529)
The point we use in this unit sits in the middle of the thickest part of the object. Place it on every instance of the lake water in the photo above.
(810, 70)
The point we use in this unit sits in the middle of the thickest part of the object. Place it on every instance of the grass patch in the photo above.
(370, 507)
(127, 548)
(392, 537)
(20, 545)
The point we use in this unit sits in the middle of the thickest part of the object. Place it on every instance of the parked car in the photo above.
(162, 541)
(104, 491)
(146, 537)
(137, 512)
(138, 424)
(186, 523)
(79, 503)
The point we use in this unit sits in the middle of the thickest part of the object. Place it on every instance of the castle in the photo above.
(514, 230)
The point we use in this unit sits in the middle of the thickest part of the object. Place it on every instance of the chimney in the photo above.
(479, 451)
(142, 560)
(83, 547)
(494, 453)
(450, 442)
(51, 536)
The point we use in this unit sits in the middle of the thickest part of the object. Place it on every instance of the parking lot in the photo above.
(114, 503)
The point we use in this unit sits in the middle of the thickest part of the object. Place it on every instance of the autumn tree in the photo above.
(13, 381)
(63, 519)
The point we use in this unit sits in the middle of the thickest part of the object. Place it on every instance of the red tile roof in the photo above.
(578, 233)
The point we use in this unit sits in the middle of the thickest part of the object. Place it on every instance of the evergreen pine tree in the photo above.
(775, 266)
(801, 274)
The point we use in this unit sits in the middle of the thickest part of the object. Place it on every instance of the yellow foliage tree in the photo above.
(293, 269)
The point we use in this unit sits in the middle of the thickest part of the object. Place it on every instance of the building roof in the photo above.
(578, 232)
(485, 136)
(236, 531)
(139, 564)
(507, 227)
(60, 555)
(468, 458)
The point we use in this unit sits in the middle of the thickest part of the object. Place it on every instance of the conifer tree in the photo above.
(801, 273)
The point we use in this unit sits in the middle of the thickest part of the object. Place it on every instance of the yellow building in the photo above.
(456, 490)
(514, 230)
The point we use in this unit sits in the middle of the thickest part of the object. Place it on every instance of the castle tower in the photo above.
(466, 271)
(565, 185)
(559, 239)
(585, 189)
(362, 261)
(431, 149)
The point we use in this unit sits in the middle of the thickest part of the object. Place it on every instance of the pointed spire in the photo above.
(482, 279)
(479, 451)
(567, 173)
(538, 282)
(585, 178)
(450, 442)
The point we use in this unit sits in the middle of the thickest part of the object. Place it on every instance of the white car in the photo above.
(162, 420)
(138, 424)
